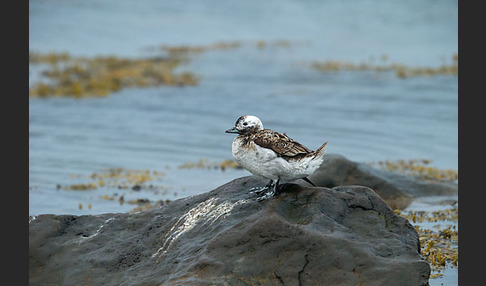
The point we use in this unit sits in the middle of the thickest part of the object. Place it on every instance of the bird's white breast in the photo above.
(253, 157)
(265, 162)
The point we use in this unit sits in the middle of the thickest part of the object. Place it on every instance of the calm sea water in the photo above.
(365, 116)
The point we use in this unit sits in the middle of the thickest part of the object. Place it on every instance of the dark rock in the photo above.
(305, 236)
(396, 189)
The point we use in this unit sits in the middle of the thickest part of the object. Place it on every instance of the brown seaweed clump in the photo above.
(206, 164)
(185, 50)
(439, 243)
(87, 77)
(118, 178)
(401, 70)
(418, 168)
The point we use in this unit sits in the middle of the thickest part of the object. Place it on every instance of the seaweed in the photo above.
(418, 168)
(400, 70)
(439, 244)
(118, 178)
(99, 76)
(206, 164)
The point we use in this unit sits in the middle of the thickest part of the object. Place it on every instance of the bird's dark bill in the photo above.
(232, 130)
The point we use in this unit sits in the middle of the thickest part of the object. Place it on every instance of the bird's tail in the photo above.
(320, 151)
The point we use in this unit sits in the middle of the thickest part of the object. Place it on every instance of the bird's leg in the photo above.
(274, 190)
(258, 190)
(270, 184)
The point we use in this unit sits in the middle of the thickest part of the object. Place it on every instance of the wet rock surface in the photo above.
(396, 189)
(346, 235)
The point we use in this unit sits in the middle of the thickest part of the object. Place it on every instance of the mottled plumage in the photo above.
(272, 155)
(280, 143)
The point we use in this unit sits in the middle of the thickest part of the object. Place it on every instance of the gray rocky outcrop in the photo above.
(345, 235)
(396, 189)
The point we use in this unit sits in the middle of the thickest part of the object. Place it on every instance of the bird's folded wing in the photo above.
(280, 143)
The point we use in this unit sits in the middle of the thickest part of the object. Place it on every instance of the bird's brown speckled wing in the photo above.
(280, 143)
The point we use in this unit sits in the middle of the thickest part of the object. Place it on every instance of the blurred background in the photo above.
(129, 100)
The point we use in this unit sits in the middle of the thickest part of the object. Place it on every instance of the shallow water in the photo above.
(450, 273)
(365, 116)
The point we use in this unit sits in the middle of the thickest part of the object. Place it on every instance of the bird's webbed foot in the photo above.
(270, 190)
(259, 190)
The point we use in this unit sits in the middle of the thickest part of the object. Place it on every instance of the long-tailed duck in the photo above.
(272, 155)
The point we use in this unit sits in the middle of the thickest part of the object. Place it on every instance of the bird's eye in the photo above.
(245, 123)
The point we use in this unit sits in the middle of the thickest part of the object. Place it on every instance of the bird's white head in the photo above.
(246, 124)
